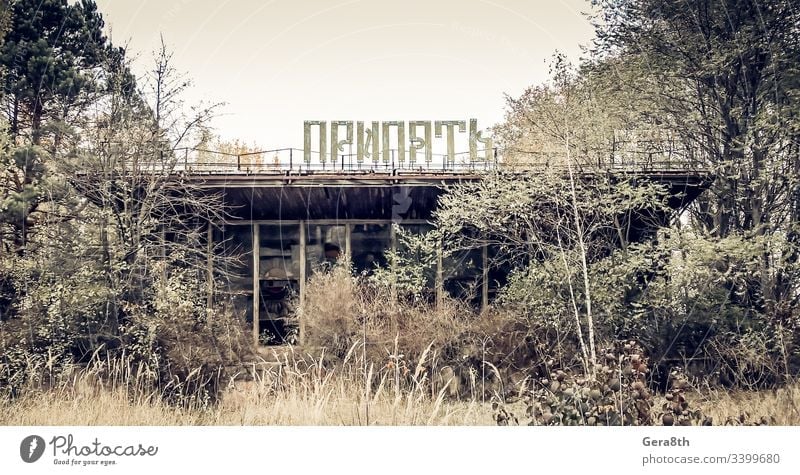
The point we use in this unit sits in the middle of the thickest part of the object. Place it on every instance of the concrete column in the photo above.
(348, 242)
(256, 281)
(485, 278)
(439, 277)
(302, 330)
(210, 264)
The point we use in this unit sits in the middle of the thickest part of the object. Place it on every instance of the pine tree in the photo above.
(51, 54)
(51, 59)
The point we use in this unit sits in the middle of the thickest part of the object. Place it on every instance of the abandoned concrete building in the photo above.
(293, 210)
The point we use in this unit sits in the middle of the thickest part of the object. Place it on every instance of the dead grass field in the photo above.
(253, 406)
(309, 395)
(110, 408)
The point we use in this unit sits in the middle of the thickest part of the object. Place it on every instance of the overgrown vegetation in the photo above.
(86, 268)
(301, 390)
(598, 322)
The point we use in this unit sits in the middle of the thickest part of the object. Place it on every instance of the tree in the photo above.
(575, 107)
(549, 224)
(127, 273)
(5, 16)
(126, 168)
(52, 56)
(568, 124)
(51, 53)
(724, 76)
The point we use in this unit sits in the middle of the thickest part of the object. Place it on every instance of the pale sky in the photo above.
(277, 63)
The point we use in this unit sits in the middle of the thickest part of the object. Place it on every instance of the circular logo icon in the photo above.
(31, 448)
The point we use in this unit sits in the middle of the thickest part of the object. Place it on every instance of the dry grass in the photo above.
(352, 382)
(776, 406)
(293, 390)
(341, 309)
(300, 390)
(251, 406)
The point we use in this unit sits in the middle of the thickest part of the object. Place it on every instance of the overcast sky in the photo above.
(277, 63)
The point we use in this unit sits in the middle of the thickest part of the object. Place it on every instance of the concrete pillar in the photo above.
(439, 277)
(210, 264)
(302, 330)
(256, 281)
(485, 278)
(348, 243)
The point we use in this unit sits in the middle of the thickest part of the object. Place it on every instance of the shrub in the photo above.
(166, 337)
(186, 348)
(615, 394)
(487, 354)
(691, 301)
(341, 310)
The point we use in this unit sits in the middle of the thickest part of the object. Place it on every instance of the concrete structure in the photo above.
(290, 217)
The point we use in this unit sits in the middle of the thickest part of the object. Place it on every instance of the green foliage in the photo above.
(688, 299)
(532, 216)
(409, 268)
(719, 82)
(5, 16)
(49, 54)
(23, 175)
(722, 77)
(97, 278)
(182, 347)
(614, 394)
(576, 114)
(53, 56)
(675, 410)
(56, 313)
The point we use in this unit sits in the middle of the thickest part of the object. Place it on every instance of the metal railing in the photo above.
(292, 160)
(622, 156)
